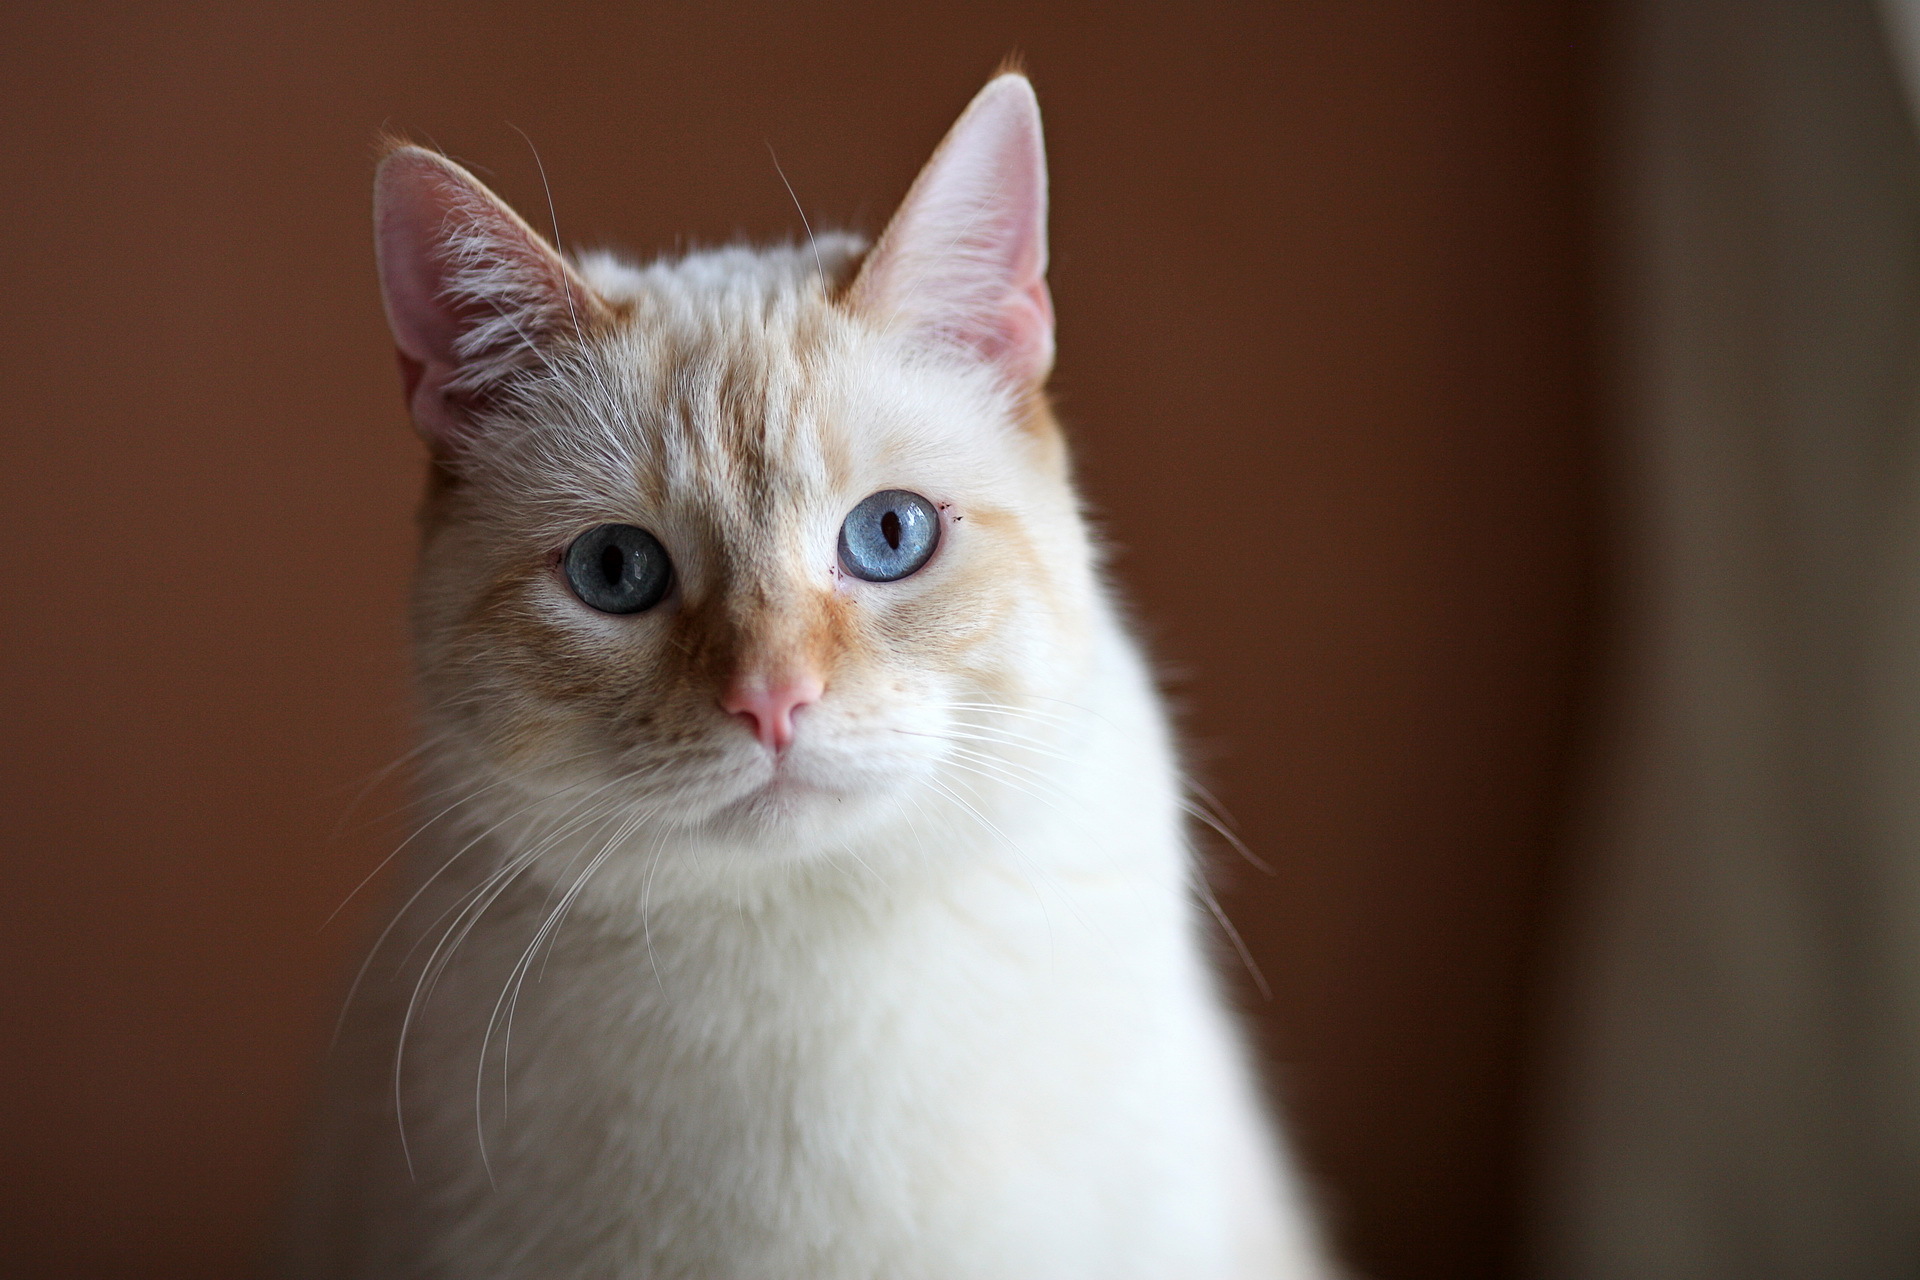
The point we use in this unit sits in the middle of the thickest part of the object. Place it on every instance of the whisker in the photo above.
(1028, 862)
(569, 821)
(1205, 892)
(1031, 713)
(516, 976)
(553, 219)
(817, 265)
(374, 780)
(477, 903)
(360, 975)
(646, 912)
(548, 841)
(423, 827)
(1220, 829)
(997, 741)
(976, 763)
(1018, 852)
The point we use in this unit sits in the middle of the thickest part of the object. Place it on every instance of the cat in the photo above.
(806, 890)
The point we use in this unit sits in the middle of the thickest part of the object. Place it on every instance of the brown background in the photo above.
(1319, 275)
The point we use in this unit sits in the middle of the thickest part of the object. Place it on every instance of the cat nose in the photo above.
(767, 706)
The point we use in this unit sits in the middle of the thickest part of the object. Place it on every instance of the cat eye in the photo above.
(617, 568)
(889, 536)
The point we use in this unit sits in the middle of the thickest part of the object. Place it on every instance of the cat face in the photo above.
(759, 544)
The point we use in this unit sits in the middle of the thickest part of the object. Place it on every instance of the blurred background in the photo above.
(1503, 414)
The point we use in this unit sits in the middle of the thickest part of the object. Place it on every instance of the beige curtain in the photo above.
(1736, 1078)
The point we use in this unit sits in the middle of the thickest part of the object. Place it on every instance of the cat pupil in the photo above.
(613, 563)
(890, 529)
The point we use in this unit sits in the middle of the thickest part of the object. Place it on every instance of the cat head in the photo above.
(772, 545)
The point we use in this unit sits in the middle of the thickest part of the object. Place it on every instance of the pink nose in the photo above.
(768, 706)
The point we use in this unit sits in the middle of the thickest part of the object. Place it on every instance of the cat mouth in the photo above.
(785, 781)
(821, 781)
(783, 786)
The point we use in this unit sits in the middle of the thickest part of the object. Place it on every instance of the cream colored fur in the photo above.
(926, 996)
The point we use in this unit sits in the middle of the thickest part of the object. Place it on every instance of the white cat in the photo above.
(807, 892)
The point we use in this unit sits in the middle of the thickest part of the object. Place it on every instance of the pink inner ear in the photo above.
(964, 260)
(468, 286)
(410, 221)
(1023, 341)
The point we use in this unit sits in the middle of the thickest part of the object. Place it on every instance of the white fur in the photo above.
(941, 1010)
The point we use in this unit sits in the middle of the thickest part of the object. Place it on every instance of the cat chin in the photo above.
(811, 783)
(791, 813)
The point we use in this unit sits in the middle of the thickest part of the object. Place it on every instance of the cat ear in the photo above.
(964, 261)
(473, 294)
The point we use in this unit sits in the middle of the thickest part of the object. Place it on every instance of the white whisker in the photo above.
(516, 977)
(1205, 892)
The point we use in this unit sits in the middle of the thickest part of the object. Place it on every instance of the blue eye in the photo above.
(617, 568)
(889, 536)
